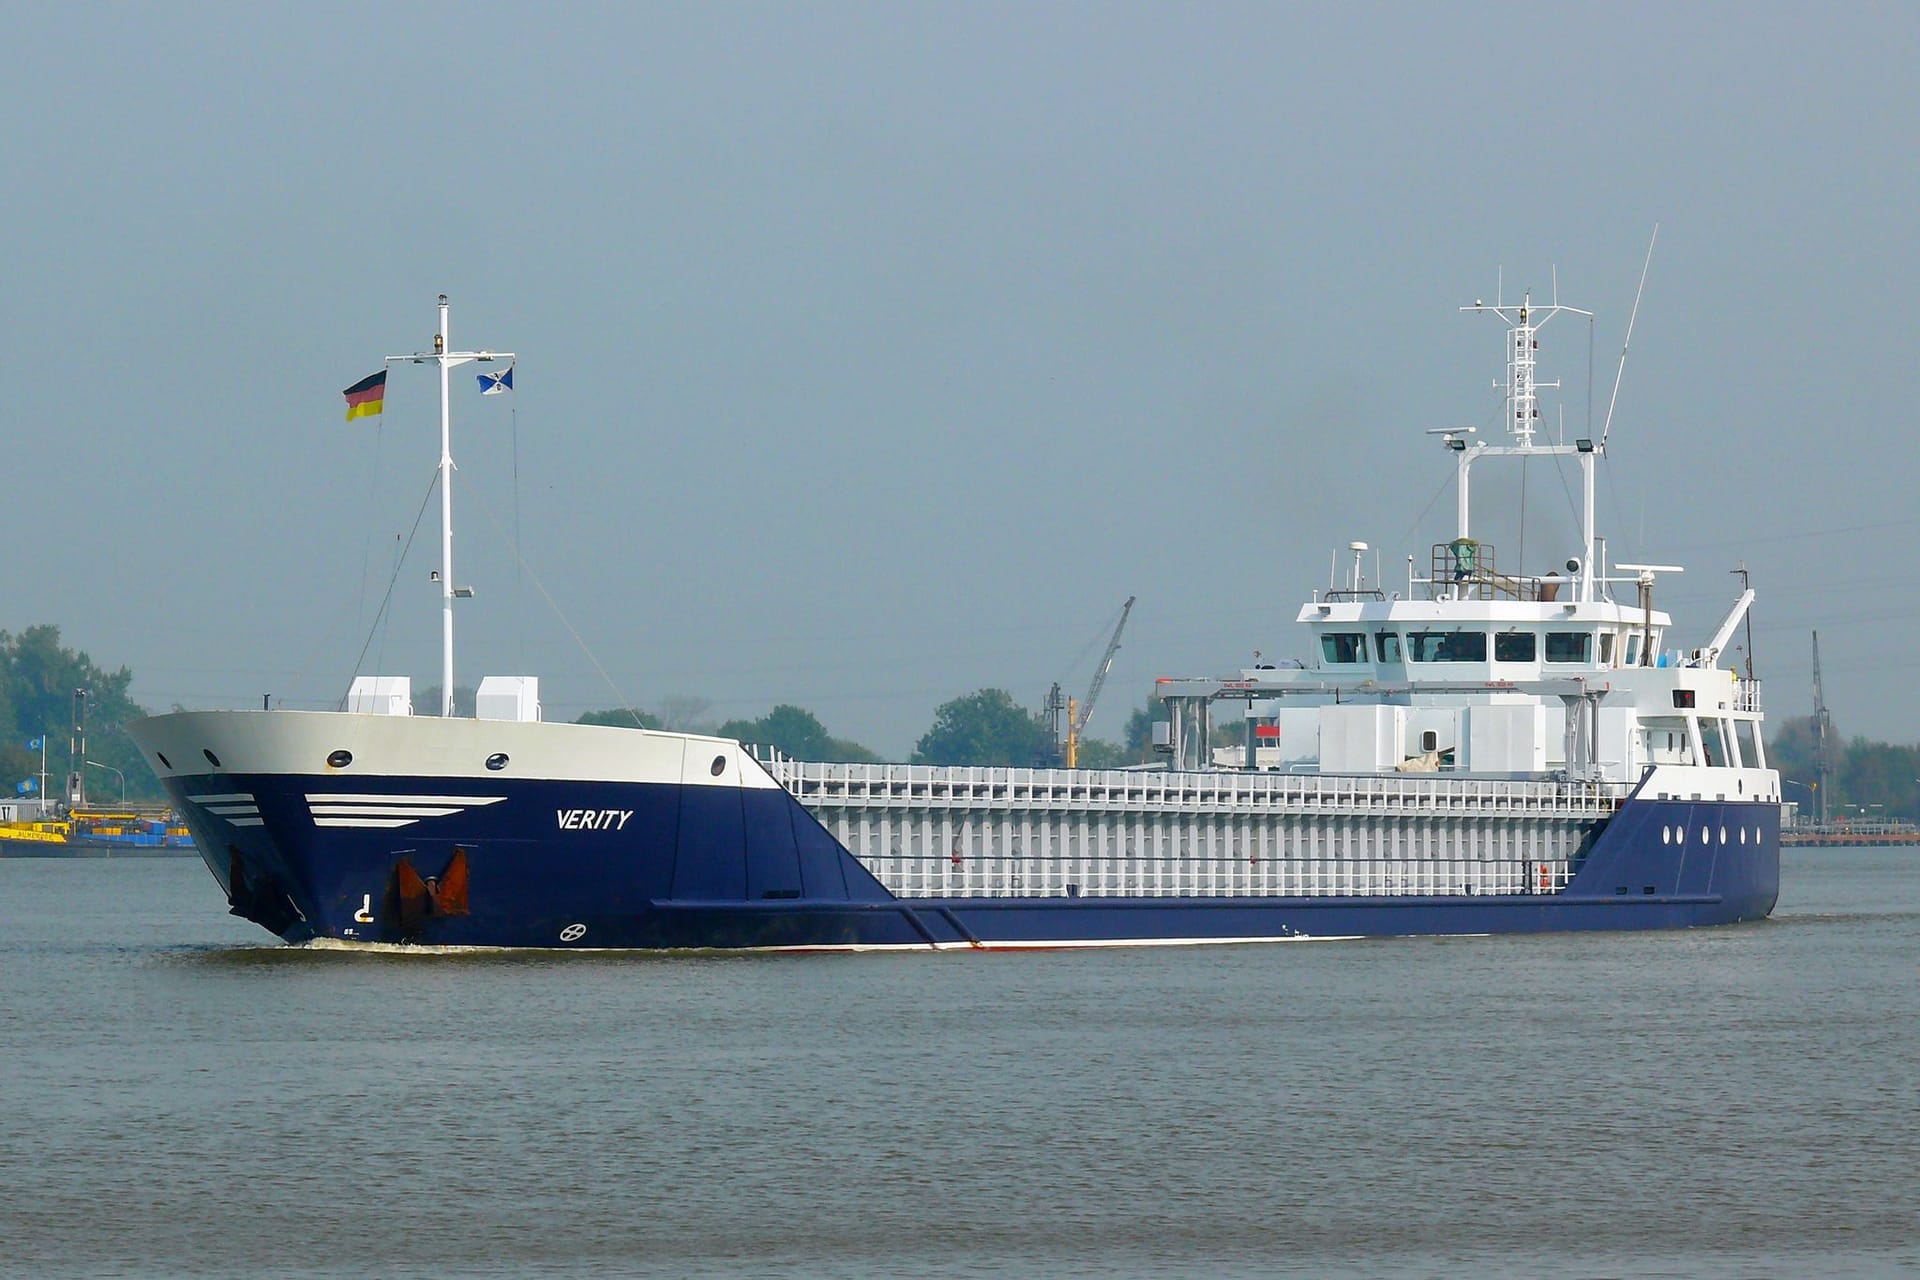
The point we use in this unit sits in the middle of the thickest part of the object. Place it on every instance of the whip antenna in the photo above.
(1614, 399)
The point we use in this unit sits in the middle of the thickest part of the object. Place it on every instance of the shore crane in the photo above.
(1822, 741)
(1078, 713)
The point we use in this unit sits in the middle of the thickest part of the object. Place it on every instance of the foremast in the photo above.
(447, 359)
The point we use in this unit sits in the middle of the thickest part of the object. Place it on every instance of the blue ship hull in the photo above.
(705, 867)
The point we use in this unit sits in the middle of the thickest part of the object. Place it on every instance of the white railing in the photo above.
(1015, 876)
(919, 786)
(927, 831)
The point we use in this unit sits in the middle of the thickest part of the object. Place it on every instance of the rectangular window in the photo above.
(1713, 740)
(1446, 646)
(1633, 649)
(1344, 646)
(1513, 646)
(1569, 646)
(1387, 645)
(1606, 648)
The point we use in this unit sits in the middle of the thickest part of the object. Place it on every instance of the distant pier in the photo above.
(1846, 833)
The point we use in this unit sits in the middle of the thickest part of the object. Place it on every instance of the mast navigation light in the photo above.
(1583, 445)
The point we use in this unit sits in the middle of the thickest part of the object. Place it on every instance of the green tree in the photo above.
(38, 677)
(1098, 753)
(1865, 773)
(984, 727)
(1880, 779)
(427, 701)
(796, 732)
(1138, 738)
(622, 718)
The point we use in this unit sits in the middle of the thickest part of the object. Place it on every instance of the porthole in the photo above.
(1723, 835)
(164, 762)
(497, 761)
(1743, 835)
(1680, 834)
(212, 759)
(1666, 835)
(719, 766)
(1706, 835)
(339, 759)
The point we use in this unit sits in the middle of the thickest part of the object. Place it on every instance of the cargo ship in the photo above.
(1481, 750)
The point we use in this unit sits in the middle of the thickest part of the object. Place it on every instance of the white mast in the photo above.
(446, 358)
(1523, 411)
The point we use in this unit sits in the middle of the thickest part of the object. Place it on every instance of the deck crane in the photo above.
(1077, 713)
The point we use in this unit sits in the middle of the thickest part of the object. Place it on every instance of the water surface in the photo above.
(184, 1096)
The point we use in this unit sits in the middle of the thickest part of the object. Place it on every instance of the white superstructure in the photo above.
(1465, 735)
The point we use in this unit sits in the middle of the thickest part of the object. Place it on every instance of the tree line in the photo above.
(985, 727)
(1879, 780)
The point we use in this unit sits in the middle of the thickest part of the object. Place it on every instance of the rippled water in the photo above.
(182, 1098)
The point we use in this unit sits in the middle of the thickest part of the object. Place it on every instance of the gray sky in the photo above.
(873, 354)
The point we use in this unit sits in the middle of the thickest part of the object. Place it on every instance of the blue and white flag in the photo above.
(34, 744)
(492, 384)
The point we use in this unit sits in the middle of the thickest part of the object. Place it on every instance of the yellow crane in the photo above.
(1077, 713)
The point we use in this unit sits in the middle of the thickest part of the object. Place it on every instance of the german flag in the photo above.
(367, 396)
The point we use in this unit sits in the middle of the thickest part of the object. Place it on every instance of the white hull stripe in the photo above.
(331, 809)
(381, 811)
(236, 807)
(364, 822)
(400, 802)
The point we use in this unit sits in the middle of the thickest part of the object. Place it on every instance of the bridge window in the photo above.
(1569, 646)
(1633, 649)
(1513, 646)
(1713, 740)
(1447, 646)
(1606, 648)
(1387, 645)
(1344, 646)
